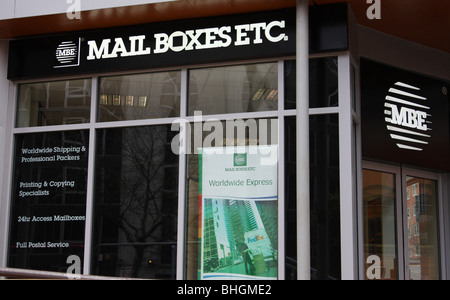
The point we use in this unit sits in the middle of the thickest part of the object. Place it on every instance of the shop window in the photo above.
(54, 103)
(425, 261)
(325, 198)
(323, 83)
(136, 203)
(380, 238)
(142, 96)
(49, 192)
(135, 182)
(232, 205)
(234, 89)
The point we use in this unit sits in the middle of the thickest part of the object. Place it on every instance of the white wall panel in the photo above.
(6, 9)
(30, 8)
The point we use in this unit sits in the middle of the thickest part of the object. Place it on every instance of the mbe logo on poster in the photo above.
(68, 54)
(240, 160)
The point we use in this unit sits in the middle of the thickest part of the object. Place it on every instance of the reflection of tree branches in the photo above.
(142, 183)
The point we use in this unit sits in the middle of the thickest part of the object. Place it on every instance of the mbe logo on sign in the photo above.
(405, 117)
(68, 54)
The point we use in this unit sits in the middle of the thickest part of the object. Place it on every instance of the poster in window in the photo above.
(239, 213)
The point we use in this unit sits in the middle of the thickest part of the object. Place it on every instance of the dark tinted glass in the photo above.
(323, 84)
(136, 203)
(325, 198)
(49, 200)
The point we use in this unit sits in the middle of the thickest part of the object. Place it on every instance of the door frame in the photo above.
(396, 171)
(400, 173)
(407, 171)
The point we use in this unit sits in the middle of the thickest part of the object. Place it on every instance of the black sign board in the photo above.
(405, 117)
(177, 43)
(48, 213)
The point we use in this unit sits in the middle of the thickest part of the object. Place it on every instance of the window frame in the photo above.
(342, 110)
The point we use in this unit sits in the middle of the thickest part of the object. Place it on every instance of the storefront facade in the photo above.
(171, 150)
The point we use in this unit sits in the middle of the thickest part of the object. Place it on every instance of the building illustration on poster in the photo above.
(239, 227)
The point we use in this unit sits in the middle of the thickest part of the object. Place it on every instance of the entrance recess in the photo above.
(401, 223)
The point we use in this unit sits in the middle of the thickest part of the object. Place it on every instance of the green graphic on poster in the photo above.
(239, 213)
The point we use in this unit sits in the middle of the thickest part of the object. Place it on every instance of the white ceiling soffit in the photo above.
(10, 9)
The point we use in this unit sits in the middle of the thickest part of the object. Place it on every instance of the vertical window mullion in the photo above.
(347, 176)
(181, 179)
(90, 184)
(281, 175)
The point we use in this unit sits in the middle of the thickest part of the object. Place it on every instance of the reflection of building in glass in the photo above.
(421, 228)
(379, 224)
(225, 224)
(232, 89)
(140, 96)
(54, 103)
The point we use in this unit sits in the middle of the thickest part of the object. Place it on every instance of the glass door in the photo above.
(422, 247)
(401, 236)
(381, 194)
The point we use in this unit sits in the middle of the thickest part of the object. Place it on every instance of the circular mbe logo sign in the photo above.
(407, 117)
